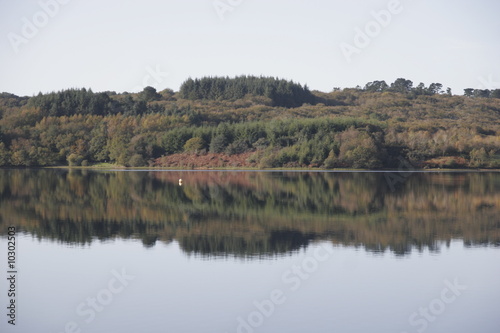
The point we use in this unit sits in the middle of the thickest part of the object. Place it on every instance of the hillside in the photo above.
(254, 122)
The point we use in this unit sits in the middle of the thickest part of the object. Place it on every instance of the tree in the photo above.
(136, 161)
(218, 144)
(485, 93)
(376, 86)
(117, 147)
(358, 150)
(435, 88)
(4, 155)
(331, 160)
(194, 145)
(478, 157)
(402, 85)
(167, 94)
(420, 89)
(174, 140)
(75, 160)
(469, 92)
(237, 147)
(20, 152)
(149, 94)
(98, 143)
(140, 107)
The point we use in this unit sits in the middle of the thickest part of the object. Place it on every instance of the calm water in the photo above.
(132, 251)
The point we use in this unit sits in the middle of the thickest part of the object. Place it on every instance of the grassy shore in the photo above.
(110, 166)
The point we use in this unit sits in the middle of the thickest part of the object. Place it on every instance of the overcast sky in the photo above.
(124, 45)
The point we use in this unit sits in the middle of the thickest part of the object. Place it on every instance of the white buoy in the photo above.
(180, 181)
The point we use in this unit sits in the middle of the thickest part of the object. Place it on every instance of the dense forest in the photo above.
(255, 122)
(280, 92)
(249, 214)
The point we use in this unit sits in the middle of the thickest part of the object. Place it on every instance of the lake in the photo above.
(240, 251)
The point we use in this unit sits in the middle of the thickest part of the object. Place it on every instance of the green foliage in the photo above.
(495, 93)
(136, 161)
(118, 149)
(402, 85)
(331, 160)
(149, 94)
(269, 160)
(376, 86)
(469, 92)
(4, 155)
(72, 101)
(359, 150)
(98, 148)
(75, 160)
(85, 102)
(478, 157)
(194, 145)
(237, 147)
(482, 93)
(218, 144)
(173, 141)
(369, 128)
(405, 86)
(281, 92)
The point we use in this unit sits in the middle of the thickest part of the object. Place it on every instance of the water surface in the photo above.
(112, 251)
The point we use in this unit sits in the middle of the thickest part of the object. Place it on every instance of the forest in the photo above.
(254, 122)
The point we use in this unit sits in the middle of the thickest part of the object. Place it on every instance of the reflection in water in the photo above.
(254, 213)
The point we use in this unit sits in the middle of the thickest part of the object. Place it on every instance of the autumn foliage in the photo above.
(276, 123)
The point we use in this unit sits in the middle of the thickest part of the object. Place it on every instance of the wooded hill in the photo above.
(270, 122)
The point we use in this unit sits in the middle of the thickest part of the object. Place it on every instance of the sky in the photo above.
(111, 45)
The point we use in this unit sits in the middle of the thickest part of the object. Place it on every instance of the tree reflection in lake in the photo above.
(248, 214)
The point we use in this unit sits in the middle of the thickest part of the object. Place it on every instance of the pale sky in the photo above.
(50, 45)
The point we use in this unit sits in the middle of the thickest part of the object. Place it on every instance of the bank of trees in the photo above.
(85, 102)
(373, 127)
(279, 91)
(484, 93)
(406, 87)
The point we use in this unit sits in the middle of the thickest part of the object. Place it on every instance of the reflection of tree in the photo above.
(276, 242)
(254, 213)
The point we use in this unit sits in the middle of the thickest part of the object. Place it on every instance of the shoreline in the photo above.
(249, 169)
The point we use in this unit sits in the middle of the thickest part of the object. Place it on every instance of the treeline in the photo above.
(484, 93)
(280, 92)
(406, 87)
(131, 141)
(85, 102)
(374, 127)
